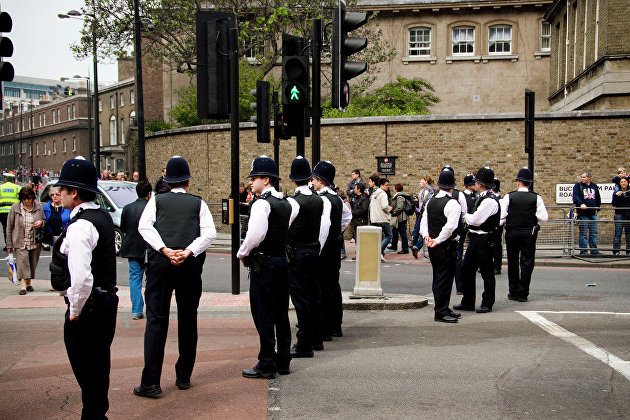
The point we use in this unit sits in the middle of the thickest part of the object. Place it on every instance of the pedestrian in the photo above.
(136, 176)
(399, 219)
(264, 252)
(482, 223)
(521, 210)
(587, 199)
(57, 217)
(621, 199)
(244, 197)
(307, 233)
(497, 255)
(439, 229)
(359, 206)
(379, 213)
(356, 178)
(621, 173)
(8, 196)
(83, 266)
(160, 184)
(426, 189)
(373, 182)
(134, 247)
(179, 228)
(330, 255)
(25, 218)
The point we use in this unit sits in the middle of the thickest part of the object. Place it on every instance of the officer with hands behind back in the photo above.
(264, 252)
(83, 266)
(438, 227)
(179, 228)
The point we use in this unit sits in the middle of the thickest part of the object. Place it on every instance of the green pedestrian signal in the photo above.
(295, 94)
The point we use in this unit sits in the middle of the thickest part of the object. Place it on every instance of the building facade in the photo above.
(590, 61)
(35, 91)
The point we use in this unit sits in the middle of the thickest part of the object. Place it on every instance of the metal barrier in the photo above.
(604, 229)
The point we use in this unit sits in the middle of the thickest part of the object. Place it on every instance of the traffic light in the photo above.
(261, 119)
(6, 48)
(344, 46)
(213, 64)
(295, 86)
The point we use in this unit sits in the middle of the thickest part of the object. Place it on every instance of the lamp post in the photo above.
(89, 112)
(76, 15)
(138, 21)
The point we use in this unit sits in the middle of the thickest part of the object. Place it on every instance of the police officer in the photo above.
(307, 224)
(497, 255)
(470, 195)
(264, 252)
(330, 256)
(481, 223)
(84, 258)
(179, 228)
(463, 204)
(521, 210)
(439, 229)
(8, 196)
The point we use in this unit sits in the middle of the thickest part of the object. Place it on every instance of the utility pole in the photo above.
(142, 170)
(316, 115)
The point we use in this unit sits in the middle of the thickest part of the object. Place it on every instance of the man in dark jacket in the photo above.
(134, 247)
(359, 203)
(586, 197)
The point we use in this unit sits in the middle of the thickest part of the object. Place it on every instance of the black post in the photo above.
(276, 130)
(530, 100)
(97, 144)
(316, 91)
(234, 122)
(299, 144)
(142, 170)
(89, 112)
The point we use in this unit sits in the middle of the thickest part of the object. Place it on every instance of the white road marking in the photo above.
(583, 344)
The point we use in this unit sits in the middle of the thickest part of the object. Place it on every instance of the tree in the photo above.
(403, 97)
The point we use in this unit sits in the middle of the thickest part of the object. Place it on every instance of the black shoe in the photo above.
(257, 373)
(182, 384)
(414, 251)
(461, 307)
(483, 310)
(284, 371)
(327, 338)
(30, 289)
(148, 391)
(318, 347)
(22, 292)
(497, 272)
(403, 252)
(446, 318)
(296, 353)
(337, 334)
(517, 299)
(393, 249)
(455, 314)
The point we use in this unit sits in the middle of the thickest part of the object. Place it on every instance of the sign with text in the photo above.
(386, 165)
(564, 193)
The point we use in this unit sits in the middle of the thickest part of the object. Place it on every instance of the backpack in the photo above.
(410, 207)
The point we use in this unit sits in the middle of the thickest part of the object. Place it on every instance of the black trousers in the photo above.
(520, 245)
(162, 279)
(305, 295)
(4, 217)
(88, 341)
(443, 258)
(478, 256)
(460, 259)
(497, 255)
(402, 230)
(332, 312)
(269, 302)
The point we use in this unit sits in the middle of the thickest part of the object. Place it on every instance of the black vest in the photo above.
(304, 231)
(522, 210)
(103, 263)
(277, 237)
(336, 210)
(491, 222)
(177, 218)
(436, 218)
(471, 199)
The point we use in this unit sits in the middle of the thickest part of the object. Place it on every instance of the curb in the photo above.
(388, 302)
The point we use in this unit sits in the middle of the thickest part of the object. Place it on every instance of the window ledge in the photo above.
(540, 54)
(511, 57)
(451, 58)
(419, 58)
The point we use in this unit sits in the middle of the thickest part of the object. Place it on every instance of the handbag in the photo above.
(12, 270)
(43, 236)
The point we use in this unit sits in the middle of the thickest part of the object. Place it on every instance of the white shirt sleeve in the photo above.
(463, 204)
(207, 231)
(324, 227)
(257, 228)
(80, 241)
(295, 209)
(504, 203)
(424, 222)
(487, 208)
(541, 211)
(346, 216)
(145, 226)
(453, 215)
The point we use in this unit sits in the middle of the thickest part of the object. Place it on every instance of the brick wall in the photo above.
(566, 144)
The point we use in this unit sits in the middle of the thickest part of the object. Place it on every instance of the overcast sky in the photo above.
(41, 41)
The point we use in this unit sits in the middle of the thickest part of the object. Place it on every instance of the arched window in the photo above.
(113, 139)
(500, 39)
(463, 40)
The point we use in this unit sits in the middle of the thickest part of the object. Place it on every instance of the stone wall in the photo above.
(566, 144)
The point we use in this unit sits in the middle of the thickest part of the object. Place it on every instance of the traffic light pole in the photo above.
(316, 92)
(234, 122)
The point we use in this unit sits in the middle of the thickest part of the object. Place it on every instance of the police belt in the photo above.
(97, 292)
(473, 234)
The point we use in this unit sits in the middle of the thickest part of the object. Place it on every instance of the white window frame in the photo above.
(100, 105)
(122, 131)
(419, 48)
(458, 42)
(54, 116)
(74, 111)
(58, 114)
(112, 102)
(44, 148)
(545, 36)
(122, 98)
(113, 138)
(100, 134)
(74, 144)
(36, 149)
(132, 96)
(68, 111)
(54, 147)
(501, 39)
(65, 145)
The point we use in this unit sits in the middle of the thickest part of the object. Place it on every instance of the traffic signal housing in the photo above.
(6, 48)
(295, 86)
(343, 47)
(261, 119)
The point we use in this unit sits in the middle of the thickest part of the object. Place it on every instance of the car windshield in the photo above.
(120, 194)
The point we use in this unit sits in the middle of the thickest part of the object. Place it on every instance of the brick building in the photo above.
(590, 61)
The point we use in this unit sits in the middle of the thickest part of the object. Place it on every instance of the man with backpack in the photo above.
(402, 204)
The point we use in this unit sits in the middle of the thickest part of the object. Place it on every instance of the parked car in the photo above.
(113, 197)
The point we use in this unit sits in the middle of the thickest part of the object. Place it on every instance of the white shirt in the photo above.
(486, 209)
(346, 213)
(452, 211)
(80, 241)
(462, 203)
(324, 225)
(207, 231)
(541, 211)
(258, 223)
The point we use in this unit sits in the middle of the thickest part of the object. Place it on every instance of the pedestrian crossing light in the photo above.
(261, 119)
(295, 79)
(6, 48)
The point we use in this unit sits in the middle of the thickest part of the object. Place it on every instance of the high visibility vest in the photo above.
(8, 196)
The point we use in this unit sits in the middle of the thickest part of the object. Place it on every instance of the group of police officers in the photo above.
(292, 248)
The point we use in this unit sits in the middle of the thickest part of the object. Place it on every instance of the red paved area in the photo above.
(36, 380)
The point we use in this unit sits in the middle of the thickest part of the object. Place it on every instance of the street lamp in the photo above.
(75, 14)
(89, 108)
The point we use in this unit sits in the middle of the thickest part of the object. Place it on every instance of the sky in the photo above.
(41, 41)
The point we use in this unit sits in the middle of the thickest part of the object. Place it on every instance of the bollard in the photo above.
(368, 270)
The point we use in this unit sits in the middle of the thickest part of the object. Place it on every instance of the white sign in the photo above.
(564, 193)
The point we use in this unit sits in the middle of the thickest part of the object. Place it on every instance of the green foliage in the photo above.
(154, 126)
(403, 97)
